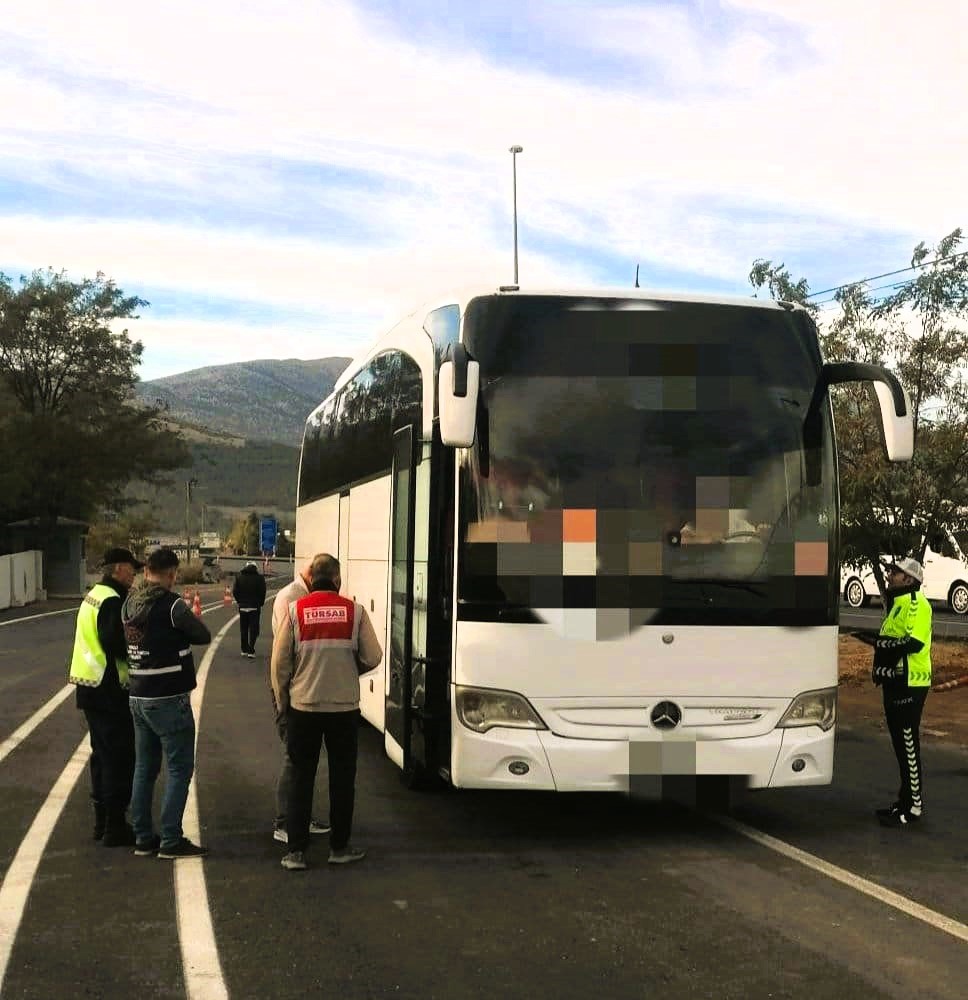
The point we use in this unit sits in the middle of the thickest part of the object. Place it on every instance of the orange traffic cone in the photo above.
(227, 597)
(197, 605)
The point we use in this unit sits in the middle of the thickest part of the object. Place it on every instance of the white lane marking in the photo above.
(30, 618)
(937, 920)
(201, 966)
(22, 732)
(64, 611)
(196, 935)
(19, 878)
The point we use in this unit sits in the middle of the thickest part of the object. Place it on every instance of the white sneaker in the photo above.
(295, 861)
(346, 855)
(282, 835)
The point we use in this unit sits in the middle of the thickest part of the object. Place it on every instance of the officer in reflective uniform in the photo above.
(902, 667)
(99, 668)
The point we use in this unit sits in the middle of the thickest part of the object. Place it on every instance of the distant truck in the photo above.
(945, 575)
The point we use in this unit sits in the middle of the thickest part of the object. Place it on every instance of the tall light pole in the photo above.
(514, 150)
(189, 485)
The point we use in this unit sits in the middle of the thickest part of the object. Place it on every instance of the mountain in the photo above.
(259, 400)
(232, 478)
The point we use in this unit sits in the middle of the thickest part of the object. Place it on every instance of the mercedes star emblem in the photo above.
(666, 715)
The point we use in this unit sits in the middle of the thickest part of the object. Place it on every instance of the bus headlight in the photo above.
(482, 709)
(812, 708)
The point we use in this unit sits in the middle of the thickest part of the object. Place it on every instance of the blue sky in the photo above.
(286, 180)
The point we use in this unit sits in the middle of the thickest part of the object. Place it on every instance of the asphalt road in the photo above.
(465, 894)
(946, 624)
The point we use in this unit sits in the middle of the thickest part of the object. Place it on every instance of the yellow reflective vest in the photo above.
(89, 660)
(910, 617)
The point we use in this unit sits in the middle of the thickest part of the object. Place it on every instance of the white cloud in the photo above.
(723, 147)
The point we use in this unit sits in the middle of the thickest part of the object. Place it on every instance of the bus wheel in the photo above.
(958, 598)
(854, 593)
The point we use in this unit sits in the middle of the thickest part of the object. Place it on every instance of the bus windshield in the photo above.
(642, 462)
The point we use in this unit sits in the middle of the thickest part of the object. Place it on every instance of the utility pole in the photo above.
(190, 484)
(514, 150)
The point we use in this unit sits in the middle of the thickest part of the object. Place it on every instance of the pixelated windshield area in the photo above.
(647, 466)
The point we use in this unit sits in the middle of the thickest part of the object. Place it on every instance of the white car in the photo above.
(945, 579)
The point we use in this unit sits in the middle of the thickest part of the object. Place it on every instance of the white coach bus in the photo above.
(598, 532)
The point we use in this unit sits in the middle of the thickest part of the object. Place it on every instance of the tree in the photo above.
(919, 333)
(71, 432)
(244, 538)
(130, 531)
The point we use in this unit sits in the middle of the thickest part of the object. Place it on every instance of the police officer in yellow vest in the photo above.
(99, 668)
(902, 667)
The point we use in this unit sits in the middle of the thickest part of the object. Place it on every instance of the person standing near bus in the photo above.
(323, 645)
(99, 668)
(160, 630)
(249, 591)
(902, 668)
(280, 612)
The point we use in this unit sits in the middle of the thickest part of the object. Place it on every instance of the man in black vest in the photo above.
(160, 628)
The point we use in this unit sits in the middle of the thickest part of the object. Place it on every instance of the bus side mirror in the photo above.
(458, 383)
(897, 426)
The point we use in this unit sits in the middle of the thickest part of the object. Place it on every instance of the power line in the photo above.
(889, 274)
(879, 288)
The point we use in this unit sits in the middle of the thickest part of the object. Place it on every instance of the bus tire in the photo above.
(958, 597)
(854, 593)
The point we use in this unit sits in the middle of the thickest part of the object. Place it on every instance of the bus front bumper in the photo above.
(536, 760)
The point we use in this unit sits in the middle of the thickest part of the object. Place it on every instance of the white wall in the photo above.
(6, 591)
(19, 578)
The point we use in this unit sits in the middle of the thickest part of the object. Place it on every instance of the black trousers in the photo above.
(112, 755)
(249, 628)
(902, 710)
(305, 736)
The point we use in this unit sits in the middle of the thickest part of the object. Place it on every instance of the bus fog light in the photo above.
(812, 708)
(518, 767)
(798, 765)
(482, 709)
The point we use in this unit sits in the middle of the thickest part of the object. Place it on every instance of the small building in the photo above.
(64, 570)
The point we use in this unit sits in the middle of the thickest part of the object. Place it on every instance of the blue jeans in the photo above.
(162, 725)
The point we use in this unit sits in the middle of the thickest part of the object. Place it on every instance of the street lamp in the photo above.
(514, 150)
(190, 484)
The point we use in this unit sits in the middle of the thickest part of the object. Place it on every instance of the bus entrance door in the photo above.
(399, 689)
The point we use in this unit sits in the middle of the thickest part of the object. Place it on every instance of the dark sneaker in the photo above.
(889, 811)
(346, 856)
(294, 861)
(315, 826)
(147, 848)
(184, 849)
(900, 818)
